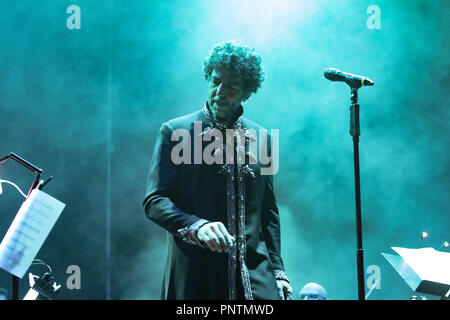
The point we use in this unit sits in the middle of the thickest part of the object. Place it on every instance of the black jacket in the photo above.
(182, 197)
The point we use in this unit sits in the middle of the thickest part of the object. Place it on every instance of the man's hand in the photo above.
(216, 237)
(284, 289)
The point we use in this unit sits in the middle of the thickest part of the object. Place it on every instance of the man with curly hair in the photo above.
(222, 219)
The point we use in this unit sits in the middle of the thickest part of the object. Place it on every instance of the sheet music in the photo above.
(427, 263)
(27, 233)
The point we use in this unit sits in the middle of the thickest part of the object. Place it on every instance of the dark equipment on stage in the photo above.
(42, 288)
(355, 82)
(39, 184)
(424, 270)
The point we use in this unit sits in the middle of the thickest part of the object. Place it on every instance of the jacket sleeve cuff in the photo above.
(189, 233)
(280, 275)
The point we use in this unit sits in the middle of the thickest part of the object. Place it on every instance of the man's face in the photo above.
(225, 94)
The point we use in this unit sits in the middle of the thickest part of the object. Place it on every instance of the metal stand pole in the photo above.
(355, 133)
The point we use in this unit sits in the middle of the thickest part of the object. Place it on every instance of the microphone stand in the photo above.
(355, 133)
(29, 166)
(355, 82)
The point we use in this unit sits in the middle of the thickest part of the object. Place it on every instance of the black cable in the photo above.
(40, 262)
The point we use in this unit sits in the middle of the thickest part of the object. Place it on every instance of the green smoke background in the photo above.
(86, 105)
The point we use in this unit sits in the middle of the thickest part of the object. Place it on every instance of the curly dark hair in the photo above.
(237, 58)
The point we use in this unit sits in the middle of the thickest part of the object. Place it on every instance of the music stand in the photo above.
(38, 172)
(425, 270)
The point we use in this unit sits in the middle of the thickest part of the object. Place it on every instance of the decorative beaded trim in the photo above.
(235, 203)
(189, 233)
(231, 214)
(242, 238)
(280, 275)
(248, 171)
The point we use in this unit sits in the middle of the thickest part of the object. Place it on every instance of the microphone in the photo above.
(352, 80)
